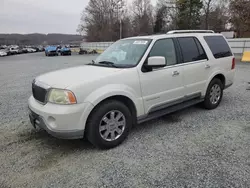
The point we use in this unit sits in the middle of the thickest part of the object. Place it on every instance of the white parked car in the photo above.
(3, 53)
(31, 50)
(14, 50)
(135, 80)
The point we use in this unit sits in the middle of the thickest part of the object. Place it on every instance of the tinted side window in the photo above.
(166, 49)
(218, 46)
(189, 49)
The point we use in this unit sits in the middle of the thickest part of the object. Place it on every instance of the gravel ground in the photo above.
(189, 148)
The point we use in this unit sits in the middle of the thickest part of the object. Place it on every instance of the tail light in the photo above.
(233, 63)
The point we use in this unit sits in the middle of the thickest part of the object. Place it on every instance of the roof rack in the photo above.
(189, 31)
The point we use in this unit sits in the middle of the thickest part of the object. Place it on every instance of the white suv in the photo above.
(134, 80)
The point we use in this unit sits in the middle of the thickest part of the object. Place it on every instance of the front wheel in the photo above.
(214, 94)
(109, 124)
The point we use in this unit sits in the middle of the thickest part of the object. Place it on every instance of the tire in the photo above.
(104, 111)
(214, 94)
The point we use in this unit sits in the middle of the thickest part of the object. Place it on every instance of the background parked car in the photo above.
(7, 51)
(31, 50)
(91, 51)
(41, 49)
(24, 50)
(3, 53)
(65, 51)
(59, 49)
(13, 50)
(83, 51)
(51, 51)
(87, 51)
(36, 49)
(3, 47)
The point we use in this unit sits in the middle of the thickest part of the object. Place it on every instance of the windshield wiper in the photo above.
(93, 63)
(108, 63)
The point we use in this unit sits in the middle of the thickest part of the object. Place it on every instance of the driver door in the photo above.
(162, 87)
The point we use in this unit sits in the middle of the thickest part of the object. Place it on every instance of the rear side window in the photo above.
(218, 46)
(191, 49)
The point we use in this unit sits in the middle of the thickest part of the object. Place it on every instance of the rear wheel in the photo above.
(109, 124)
(214, 94)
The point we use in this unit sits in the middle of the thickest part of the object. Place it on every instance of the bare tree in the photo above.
(215, 15)
(166, 15)
(188, 14)
(143, 17)
(207, 6)
(240, 16)
(100, 20)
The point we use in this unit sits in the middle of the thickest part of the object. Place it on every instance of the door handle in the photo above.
(207, 66)
(175, 73)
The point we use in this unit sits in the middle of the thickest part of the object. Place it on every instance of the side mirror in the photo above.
(156, 62)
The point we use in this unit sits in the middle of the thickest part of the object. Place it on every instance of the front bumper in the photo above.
(52, 53)
(37, 120)
(61, 121)
(66, 52)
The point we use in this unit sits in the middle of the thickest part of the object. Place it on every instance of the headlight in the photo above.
(60, 96)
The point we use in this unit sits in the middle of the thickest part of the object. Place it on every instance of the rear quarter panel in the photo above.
(217, 66)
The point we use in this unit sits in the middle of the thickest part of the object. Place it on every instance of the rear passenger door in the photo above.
(194, 61)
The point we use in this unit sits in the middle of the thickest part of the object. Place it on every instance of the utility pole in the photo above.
(120, 28)
(120, 19)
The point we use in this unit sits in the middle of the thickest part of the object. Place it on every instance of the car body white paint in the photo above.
(3, 53)
(91, 85)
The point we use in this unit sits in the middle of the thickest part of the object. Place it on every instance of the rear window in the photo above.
(218, 46)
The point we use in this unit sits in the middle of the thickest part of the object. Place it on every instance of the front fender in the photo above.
(113, 90)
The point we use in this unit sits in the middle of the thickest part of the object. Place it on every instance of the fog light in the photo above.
(52, 122)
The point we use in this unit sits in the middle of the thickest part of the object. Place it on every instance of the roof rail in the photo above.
(189, 31)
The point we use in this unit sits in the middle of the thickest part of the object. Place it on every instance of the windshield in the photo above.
(123, 53)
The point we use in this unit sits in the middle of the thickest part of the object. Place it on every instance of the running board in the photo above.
(168, 110)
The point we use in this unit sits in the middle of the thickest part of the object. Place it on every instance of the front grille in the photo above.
(39, 93)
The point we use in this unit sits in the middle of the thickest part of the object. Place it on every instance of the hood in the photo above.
(76, 75)
(51, 48)
(65, 49)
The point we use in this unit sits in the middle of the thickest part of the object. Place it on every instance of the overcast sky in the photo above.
(41, 16)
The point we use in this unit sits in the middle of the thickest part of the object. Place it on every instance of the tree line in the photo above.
(109, 20)
(39, 39)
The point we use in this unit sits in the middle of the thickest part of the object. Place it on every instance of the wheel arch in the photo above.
(222, 78)
(123, 99)
(218, 75)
